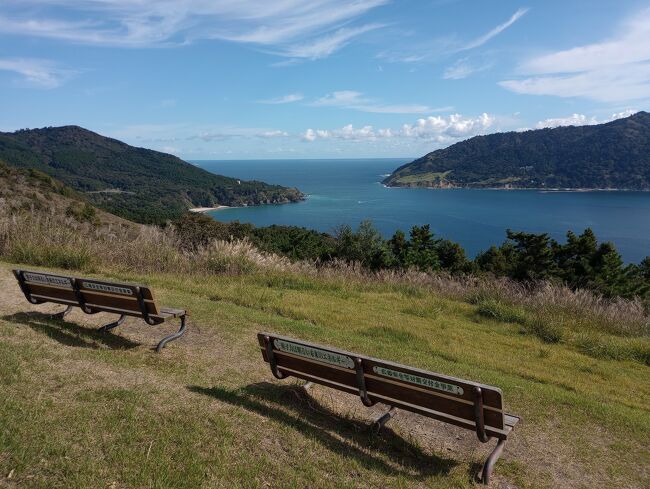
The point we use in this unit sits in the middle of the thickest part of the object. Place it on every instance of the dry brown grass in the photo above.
(52, 240)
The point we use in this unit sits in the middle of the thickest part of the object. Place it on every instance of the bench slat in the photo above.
(54, 292)
(168, 311)
(118, 292)
(430, 399)
(99, 295)
(116, 302)
(462, 423)
(427, 393)
(97, 298)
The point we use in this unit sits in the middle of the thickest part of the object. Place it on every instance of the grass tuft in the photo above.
(54, 256)
(499, 311)
(612, 348)
(547, 329)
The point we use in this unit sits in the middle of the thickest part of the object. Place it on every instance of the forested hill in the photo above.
(136, 183)
(615, 155)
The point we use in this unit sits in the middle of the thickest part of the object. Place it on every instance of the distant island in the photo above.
(614, 156)
(135, 183)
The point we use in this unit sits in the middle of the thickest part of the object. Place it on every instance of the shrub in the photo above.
(230, 265)
(83, 213)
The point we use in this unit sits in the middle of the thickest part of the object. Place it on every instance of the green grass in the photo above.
(81, 409)
(423, 177)
(557, 326)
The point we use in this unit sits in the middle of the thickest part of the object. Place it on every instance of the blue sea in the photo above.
(348, 191)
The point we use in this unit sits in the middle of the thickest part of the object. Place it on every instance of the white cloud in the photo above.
(36, 72)
(285, 99)
(581, 120)
(605, 85)
(496, 31)
(572, 120)
(433, 128)
(350, 99)
(613, 70)
(293, 28)
(309, 135)
(454, 126)
(622, 114)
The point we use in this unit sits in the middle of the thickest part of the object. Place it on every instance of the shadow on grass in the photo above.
(289, 405)
(70, 334)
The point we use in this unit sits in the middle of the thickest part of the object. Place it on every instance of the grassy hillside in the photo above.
(136, 183)
(82, 409)
(613, 155)
(32, 191)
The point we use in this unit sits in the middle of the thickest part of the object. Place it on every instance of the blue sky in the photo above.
(231, 79)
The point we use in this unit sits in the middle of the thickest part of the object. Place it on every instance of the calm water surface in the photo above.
(348, 191)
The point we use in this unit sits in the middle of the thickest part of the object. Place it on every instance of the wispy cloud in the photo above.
(324, 46)
(285, 99)
(180, 133)
(436, 129)
(464, 68)
(293, 28)
(614, 70)
(496, 31)
(273, 134)
(36, 72)
(350, 99)
(442, 46)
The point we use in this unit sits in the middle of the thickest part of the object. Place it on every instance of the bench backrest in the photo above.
(430, 394)
(89, 294)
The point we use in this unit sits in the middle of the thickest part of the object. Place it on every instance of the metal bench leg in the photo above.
(379, 423)
(114, 324)
(491, 461)
(62, 314)
(172, 337)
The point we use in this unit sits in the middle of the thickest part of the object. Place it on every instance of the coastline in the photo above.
(538, 189)
(206, 209)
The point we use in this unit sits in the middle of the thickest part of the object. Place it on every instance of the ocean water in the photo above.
(349, 191)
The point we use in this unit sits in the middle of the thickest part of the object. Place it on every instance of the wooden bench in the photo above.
(463, 403)
(93, 296)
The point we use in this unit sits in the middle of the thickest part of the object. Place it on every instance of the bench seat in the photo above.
(171, 313)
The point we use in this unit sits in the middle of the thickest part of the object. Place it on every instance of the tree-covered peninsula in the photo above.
(615, 155)
(135, 183)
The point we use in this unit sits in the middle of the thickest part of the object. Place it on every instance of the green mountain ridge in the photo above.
(614, 155)
(135, 183)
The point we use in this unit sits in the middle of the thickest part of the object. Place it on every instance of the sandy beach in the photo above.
(206, 209)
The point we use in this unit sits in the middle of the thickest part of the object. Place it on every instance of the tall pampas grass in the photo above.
(52, 240)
